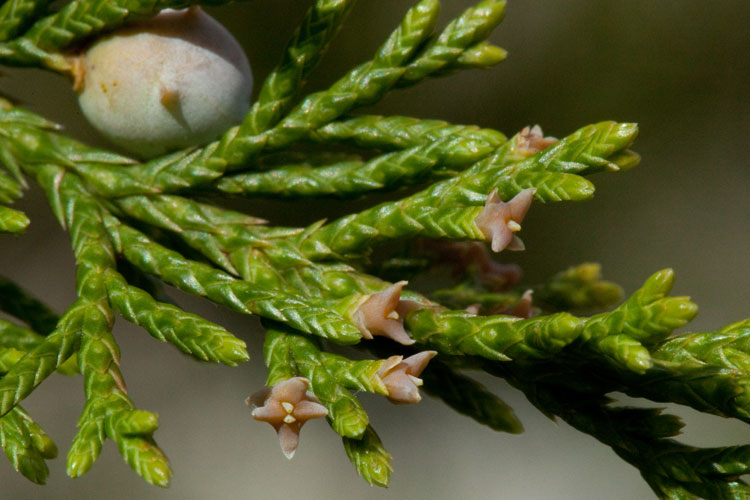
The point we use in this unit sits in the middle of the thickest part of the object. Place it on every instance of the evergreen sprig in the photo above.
(642, 437)
(370, 458)
(12, 221)
(190, 333)
(136, 225)
(308, 44)
(469, 397)
(26, 445)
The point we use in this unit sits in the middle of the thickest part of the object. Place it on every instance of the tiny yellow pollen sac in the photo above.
(288, 407)
(514, 226)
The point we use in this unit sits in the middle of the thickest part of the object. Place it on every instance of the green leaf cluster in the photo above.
(135, 226)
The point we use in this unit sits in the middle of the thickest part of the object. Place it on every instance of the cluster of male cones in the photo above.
(288, 404)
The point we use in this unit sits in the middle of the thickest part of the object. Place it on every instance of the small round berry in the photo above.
(176, 80)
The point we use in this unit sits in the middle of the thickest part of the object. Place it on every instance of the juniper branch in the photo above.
(10, 190)
(26, 445)
(639, 436)
(15, 15)
(12, 221)
(370, 458)
(579, 287)
(645, 318)
(495, 337)
(363, 85)
(359, 375)
(282, 351)
(433, 149)
(212, 231)
(440, 158)
(41, 361)
(308, 44)
(448, 208)
(467, 396)
(17, 337)
(552, 171)
(707, 371)
(243, 296)
(298, 277)
(278, 357)
(462, 34)
(466, 294)
(190, 333)
(573, 331)
(107, 402)
(402, 132)
(18, 341)
(267, 258)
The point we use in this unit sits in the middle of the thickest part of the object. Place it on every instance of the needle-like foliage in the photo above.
(136, 224)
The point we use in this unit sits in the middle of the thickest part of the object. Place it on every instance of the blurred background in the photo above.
(678, 67)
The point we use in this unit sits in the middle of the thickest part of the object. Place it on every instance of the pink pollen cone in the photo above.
(499, 220)
(400, 376)
(287, 406)
(382, 314)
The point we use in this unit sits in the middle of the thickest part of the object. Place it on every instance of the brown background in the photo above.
(678, 67)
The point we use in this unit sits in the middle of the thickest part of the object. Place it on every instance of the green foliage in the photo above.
(435, 158)
(16, 14)
(190, 333)
(307, 46)
(135, 225)
(495, 337)
(370, 458)
(12, 221)
(469, 397)
(579, 288)
(641, 437)
(26, 445)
